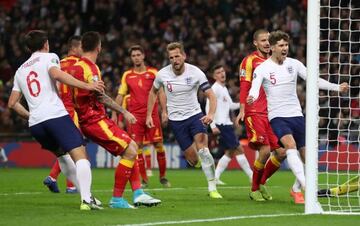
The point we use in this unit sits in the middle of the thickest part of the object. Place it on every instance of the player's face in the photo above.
(280, 50)
(262, 43)
(220, 75)
(137, 57)
(177, 59)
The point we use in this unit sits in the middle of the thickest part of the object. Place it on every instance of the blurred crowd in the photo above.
(213, 31)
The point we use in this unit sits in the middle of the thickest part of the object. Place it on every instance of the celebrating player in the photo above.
(49, 122)
(138, 81)
(181, 82)
(223, 126)
(74, 53)
(258, 129)
(278, 75)
(95, 125)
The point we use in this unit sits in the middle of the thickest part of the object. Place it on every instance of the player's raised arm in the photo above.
(323, 84)
(255, 87)
(66, 78)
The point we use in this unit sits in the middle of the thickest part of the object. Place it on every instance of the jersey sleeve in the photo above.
(16, 86)
(157, 81)
(203, 81)
(123, 89)
(301, 69)
(53, 61)
(256, 83)
(246, 70)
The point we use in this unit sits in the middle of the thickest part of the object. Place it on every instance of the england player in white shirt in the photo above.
(49, 122)
(223, 126)
(278, 75)
(181, 82)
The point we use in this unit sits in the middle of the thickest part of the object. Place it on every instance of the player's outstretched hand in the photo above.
(207, 119)
(98, 86)
(344, 87)
(129, 117)
(149, 122)
(250, 100)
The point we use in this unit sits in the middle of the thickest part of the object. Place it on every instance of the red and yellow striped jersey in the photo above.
(64, 90)
(86, 104)
(138, 85)
(247, 68)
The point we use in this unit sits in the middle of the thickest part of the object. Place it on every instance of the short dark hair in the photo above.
(258, 32)
(276, 36)
(90, 40)
(136, 47)
(215, 67)
(74, 41)
(35, 39)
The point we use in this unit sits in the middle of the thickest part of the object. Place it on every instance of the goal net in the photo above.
(338, 115)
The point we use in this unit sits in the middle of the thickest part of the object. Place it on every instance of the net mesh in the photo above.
(339, 154)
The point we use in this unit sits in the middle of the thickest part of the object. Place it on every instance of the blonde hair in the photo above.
(175, 45)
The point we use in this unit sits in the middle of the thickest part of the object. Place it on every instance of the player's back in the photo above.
(87, 106)
(138, 85)
(39, 89)
(247, 68)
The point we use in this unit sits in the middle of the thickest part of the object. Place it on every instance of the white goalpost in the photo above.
(333, 119)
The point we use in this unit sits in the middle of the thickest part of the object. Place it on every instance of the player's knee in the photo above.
(131, 151)
(280, 154)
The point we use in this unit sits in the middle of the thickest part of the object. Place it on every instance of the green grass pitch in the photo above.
(25, 201)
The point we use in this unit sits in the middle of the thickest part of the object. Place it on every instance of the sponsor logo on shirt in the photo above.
(95, 78)
(242, 73)
(55, 61)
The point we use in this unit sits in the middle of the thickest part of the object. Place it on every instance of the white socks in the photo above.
(296, 166)
(79, 174)
(221, 166)
(243, 162)
(208, 167)
(296, 186)
(3, 155)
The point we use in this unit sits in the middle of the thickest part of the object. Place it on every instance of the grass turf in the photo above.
(25, 201)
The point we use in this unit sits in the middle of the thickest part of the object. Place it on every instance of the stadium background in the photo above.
(212, 31)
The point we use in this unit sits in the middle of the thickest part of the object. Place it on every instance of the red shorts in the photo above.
(140, 132)
(259, 132)
(107, 134)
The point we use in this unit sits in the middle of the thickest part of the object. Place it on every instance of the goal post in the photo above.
(312, 107)
(332, 118)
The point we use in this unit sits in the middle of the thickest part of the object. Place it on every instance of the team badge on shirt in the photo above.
(188, 80)
(290, 69)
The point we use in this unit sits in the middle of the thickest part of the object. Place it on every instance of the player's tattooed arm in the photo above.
(110, 103)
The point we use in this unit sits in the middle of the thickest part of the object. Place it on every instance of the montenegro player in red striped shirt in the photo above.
(73, 56)
(137, 82)
(95, 125)
(258, 129)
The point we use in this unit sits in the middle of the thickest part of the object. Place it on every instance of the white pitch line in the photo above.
(214, 219)
(147, 189)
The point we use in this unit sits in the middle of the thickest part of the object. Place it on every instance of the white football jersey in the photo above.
(279, 82)
(223, 106)
(32, 79)
(181, 90)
